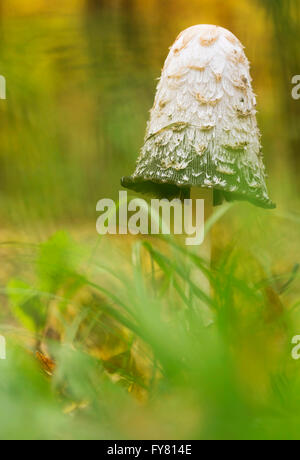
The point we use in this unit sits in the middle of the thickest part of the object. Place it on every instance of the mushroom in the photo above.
(202, 140)
(202, 130)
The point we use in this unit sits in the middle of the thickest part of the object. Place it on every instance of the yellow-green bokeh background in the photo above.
(81, 78)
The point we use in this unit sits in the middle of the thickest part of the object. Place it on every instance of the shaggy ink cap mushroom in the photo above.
(203, 130)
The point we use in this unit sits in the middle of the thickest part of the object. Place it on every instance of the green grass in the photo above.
(134, 358)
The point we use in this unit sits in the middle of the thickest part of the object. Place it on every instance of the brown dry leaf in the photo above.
(47, 364)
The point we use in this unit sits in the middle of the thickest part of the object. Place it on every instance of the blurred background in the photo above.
(81, 78)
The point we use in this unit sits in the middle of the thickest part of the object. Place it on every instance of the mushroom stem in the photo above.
(204, 252)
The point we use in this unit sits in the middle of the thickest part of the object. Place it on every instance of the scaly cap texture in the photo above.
(203, 129)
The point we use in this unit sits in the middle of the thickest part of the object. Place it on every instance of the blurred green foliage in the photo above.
(133, 331)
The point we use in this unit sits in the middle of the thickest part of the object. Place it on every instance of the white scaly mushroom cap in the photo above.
(203, 130)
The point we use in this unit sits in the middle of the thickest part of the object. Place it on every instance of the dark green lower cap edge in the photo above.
(169, 190)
